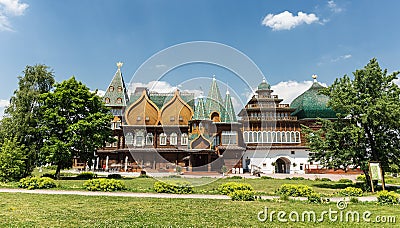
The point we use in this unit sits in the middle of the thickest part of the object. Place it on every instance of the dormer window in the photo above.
(180, 118)
(107, 100)
(172, 119)
(139, 118)
(119, 100)
(147, 118)
(111, 88)
(119, 89)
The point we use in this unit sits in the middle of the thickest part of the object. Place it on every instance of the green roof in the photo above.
(116, 95)
(160, 99)
(311, 104)
(214, 100)
(229, 113)
(264, 85)
(199, 113)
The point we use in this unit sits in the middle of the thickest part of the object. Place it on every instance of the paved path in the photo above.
(161, 195)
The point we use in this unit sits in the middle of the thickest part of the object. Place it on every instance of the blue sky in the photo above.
(289, 40)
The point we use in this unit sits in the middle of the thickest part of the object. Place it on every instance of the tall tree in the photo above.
(75, 122)
(368, 124)
(22, 116)
(12, 160)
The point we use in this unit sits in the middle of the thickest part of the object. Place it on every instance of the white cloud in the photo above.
(334, 7)
(10, 8)
(286, 20)
(3, 104)
(289, 90)
(101, 92)
(342, 57)
(397, 81)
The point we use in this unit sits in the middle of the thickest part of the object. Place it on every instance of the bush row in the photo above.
(37, 183)
(173, 187)
(230, 187)
(295, 190)
(106, 185)
(351, 191)
(388, 198)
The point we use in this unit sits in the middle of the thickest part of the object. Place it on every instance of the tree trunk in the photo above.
(57, 175)
(367, 179)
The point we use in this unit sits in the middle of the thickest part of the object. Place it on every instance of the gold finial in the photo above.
(119, 65)
(314, 76)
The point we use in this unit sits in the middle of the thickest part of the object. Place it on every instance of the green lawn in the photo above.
(31, 210)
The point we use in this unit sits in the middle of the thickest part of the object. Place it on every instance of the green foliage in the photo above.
(295, 190)
(324, 179)
(242, 195)
(86, 176)
(361, 177)
(344, 180)
(224, 169)
(12, 160)
(314, 198)
(177, 187)
(295, 178)
(50, 175)
(388, 198)
(354, 200)
(230, 187)
(267, 178)
(106, 185)
(235, 177)
(23, 114)
(178, 169)
(114, 176)
(37, 183)
(368, 107)
(74, 123)
(351, 191)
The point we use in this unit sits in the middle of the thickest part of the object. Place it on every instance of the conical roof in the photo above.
(214, 100)
(116, 95)
(199, 113)
(311, 104)
(229, 113)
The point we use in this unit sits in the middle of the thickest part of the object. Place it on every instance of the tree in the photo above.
(22, 116)
(367, 127)
(12, 160)
(75, 123)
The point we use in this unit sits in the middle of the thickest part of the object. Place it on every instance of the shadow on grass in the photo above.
(334, 185)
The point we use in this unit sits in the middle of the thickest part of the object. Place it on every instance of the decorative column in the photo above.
(107, 163)
(126, 163)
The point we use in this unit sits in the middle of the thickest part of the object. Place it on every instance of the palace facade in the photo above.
(158, 132)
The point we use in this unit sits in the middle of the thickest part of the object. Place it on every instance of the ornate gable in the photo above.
(116, 95)
(176, 111)
(142, 112)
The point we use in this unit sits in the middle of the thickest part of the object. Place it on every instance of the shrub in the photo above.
(235, 177)
(174, 176)
(13, 158)
(295, 190)
(86, 176)
(173, 187)
(314, 198)
(107, 185)
(361, 177)
(344, 180)
(143, 176)
(229, 187)
(385, 198)
(351, 191)
(266, 177)
(298, 178)
(50, 175)
(325, 179)
(354, 200)
(242, 195)
(114, 176)
(37, 183)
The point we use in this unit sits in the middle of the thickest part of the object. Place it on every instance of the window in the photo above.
(129, 138)
(264, 164)
(149, 139)
(173, 139)
(297, 136)
(292, 152)
(283, 137)
(138, 118)
(246, 136)
(118, 124)
(111, 88)
(163, 139)
(107, 100)
(278, 137)
(292, 137)
(273, 136)
(229, 137)
(115, 144)
(184, 139)
(269, 137)
(172, 119)
(119, 100)
(119, 89)
(180, 118)
(147, 118)
(259, 136)
(139, 139)
(264, 137)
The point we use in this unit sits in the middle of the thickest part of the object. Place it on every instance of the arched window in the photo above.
(298, 137)
(149, 139)
(129, 138)
(269, 137)
(274, 137)
(173, 139)
(119, 89)
(139, 138)
(163, 139)
(119, 100)
(184, 139)
(265, 137)
(292, 137)
(283, 136)
(246, 136)
(111, 88)
(107, 100)
(259, 136)
(278, 137)
(250, 136)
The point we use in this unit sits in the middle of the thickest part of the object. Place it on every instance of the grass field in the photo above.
(31, 210)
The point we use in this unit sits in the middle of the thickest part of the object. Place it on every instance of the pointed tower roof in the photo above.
(214, 100)
(199, 113)
(229, 113)
(116, 95)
